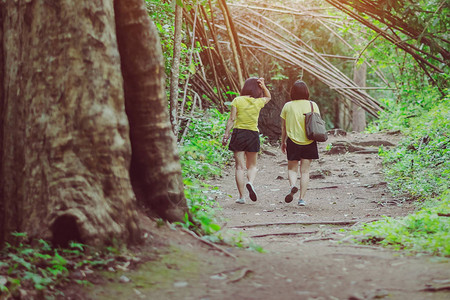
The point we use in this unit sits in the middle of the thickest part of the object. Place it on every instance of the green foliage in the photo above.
(420, 165)
(163, 16)
(43, 269)
(277, 72)
(202, 154)
(418, 168)
(202, 157)
(423, 232)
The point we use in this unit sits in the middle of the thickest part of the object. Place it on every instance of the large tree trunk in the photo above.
(65, 145)
(65, 152)
(155, 168)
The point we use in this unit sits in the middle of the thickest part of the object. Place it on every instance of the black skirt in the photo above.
(298, 152)
(244, 140)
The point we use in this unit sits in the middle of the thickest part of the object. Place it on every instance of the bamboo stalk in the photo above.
(234, 47)
(290, 12)
(186, 128)
(233, 84)
(368, 8)
(321, 59)
(214, 57)
(363, 88)
(399, 43)
(181, 110)
(311, 63)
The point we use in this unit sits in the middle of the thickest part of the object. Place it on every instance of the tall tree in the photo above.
(358, 113)
(66, 140)
(175, 69)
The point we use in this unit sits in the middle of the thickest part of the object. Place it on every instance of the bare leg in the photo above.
(305, 165)
(292, 175)
(251, 158)
(239, 158)
(292, 172)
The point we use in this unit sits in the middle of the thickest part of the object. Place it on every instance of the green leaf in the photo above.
(192, 68)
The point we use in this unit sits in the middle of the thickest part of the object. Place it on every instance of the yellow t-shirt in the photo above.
(247, 112)
(293, 113)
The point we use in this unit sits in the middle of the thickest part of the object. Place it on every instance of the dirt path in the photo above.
(303, 259)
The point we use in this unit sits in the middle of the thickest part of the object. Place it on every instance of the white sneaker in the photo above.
(240, 201)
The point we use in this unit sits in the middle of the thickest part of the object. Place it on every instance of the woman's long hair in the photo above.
(251, 88)
(299, 91)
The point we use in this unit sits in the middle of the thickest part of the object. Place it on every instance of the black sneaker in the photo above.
(251, 191)
(289, 197)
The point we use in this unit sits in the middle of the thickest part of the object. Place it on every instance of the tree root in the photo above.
(343, 223)
(318, 239)
(284, 233)
(209, 243)
(325, 187)
(241, 275)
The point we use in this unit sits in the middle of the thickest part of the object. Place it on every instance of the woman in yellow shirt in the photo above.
(245, 137)
(294, 143)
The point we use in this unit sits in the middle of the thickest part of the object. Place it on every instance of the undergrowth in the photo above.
(36, 270)
(202, 156)
(417, 169)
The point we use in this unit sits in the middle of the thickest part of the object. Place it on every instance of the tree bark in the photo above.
(65, 150)
(155, 169)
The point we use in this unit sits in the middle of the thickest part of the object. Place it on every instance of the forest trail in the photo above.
(346, 188)
(306, 255)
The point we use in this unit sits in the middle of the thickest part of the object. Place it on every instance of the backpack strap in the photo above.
(312, 108)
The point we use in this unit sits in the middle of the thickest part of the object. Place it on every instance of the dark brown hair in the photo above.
(251, 88)
(299, 91)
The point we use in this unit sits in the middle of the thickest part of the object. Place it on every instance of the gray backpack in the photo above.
(315, 126)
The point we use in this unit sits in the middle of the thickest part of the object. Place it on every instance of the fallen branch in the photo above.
(284, 233)
(316, 240)
(325, 187)
(436, 288)
(209, 243)
(443, 215)
(344, 223)
(363, 222)
(358, 246)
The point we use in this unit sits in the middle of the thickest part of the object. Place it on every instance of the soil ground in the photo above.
(306, 254)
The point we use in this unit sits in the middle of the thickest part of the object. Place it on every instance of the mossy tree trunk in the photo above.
(65, 145)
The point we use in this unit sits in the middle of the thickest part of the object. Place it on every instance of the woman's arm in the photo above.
(230, 124)
(266, 93)
(283, 136)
